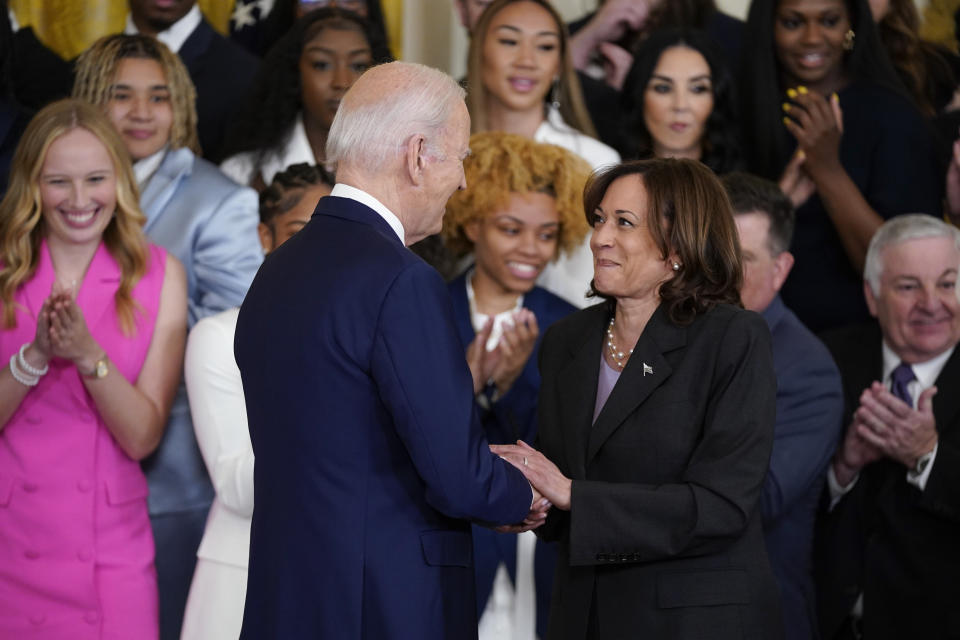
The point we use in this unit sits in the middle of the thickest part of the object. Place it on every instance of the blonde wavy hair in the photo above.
(572, 106)
(21, 220)
(501, 164)
(96, 70)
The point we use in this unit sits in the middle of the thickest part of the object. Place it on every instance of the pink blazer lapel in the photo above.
(103, 273)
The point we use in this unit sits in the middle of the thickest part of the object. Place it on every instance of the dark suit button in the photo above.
(624, 557)
(636, 557)
(601, 556)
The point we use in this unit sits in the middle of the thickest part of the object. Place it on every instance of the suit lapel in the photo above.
(175, 167)
(646, 370)
(103, 275)
(461, 309)
(577, 387)
(946, 404)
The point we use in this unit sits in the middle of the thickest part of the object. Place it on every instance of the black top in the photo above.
(888, 151)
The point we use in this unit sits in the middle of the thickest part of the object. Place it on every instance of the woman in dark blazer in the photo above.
(654, 456)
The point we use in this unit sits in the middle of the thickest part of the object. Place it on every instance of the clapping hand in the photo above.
(817, 124)
(539, 471)
(69, 337)
(894, 428)
(515, 346)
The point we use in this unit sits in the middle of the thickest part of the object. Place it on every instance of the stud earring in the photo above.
(849, 40)
(676, 266)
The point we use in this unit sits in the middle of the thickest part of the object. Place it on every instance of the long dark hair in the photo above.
(767, 143)
(721, 144)
(265, 120)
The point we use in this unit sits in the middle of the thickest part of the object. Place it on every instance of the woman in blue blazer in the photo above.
(522, 206)
(210, 224)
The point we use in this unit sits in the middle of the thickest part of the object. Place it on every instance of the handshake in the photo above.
(550, 487)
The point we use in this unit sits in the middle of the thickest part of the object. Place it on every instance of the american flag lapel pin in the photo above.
(647, 369)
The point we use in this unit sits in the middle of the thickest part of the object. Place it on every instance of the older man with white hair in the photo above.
(889, 547)
(370, 458)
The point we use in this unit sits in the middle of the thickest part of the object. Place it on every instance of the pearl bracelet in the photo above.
(25, 366)
(20, 376)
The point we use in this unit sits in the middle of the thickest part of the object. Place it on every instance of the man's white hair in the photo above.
(900, 229)
(387, 105)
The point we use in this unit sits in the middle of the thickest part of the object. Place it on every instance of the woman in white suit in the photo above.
(215, 605)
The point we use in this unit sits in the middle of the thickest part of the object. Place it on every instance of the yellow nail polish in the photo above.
(801, 154)
(835, 96)
(786, 120)
(802, 89)
(786, 106)
(791, 93)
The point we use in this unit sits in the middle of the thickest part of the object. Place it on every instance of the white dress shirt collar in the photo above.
(926, 372)
(346, 191)
(177, 33)
(144, 168)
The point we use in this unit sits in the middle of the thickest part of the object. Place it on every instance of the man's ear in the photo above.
(782, 265)
(415, 158)
(871, 299)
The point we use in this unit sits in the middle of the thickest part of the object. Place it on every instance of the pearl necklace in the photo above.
(619, 357)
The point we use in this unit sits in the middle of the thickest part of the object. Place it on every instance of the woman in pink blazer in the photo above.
(92, 324)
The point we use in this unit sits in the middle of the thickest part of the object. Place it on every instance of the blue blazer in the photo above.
(371, 459)
(512, 417)
(806, 433)
(209, 223)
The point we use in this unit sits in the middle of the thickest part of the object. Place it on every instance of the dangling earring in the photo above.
(849, 39)
(555, 93)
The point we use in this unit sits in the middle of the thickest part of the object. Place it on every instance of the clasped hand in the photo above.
(62, 330)
(817, 124)
(542, 474)
(884, 425)
(503, 365)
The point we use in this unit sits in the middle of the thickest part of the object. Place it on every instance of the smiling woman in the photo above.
(93, 326)
(522, 206)
(286, 118)
(819, 83)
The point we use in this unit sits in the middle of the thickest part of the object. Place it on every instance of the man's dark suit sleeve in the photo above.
(713, 502)
(809, 411)
(418, 364)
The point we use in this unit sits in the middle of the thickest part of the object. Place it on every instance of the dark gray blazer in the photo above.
(663, 539)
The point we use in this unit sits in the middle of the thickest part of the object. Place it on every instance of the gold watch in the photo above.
(99, 370)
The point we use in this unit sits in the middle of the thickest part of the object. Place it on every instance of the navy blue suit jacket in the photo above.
(513, 417)
(371, 459)
(808, 427)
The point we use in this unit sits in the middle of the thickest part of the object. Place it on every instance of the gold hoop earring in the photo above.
(849, 39)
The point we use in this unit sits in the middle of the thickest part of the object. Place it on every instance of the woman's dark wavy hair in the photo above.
(766, 142)
(688, 215)
(264, 121)
(721, 143)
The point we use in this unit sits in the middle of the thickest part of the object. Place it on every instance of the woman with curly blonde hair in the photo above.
(92, 333)
(522, 207)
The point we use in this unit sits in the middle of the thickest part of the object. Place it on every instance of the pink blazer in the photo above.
(76, 549)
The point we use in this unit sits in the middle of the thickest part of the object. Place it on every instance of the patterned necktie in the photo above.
(899, 379)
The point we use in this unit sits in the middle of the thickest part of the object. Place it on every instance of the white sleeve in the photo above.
(219, 413)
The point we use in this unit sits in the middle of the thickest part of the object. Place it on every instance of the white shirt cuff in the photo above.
(836, 491)
(919, 480)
